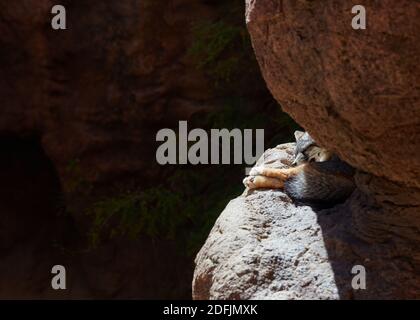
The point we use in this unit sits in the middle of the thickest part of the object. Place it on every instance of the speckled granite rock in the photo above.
(263, 246)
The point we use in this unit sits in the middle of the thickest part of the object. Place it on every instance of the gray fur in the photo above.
(329, 181)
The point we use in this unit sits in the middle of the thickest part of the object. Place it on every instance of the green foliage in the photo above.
(227, 116)
(214, 48)
(278, 126)
(186, 206)
(153, 212)
(166, 212)
(76, 181)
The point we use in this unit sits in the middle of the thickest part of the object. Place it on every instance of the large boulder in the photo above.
(357, 93)
(263, 246)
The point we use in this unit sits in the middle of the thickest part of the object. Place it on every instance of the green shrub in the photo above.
(187, 205)
(215, 49)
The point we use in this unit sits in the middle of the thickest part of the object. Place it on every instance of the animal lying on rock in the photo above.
(317, 174)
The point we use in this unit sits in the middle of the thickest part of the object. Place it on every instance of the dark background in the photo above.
(80, 110)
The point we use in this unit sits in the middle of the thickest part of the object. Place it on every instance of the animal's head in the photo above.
(307, 150)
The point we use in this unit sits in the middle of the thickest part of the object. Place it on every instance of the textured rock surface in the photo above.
(265, 247)
(355, 91)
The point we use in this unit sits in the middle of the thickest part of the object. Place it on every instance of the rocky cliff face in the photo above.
(80, 109)
(356, 93)
(107, 82)
(91, 99)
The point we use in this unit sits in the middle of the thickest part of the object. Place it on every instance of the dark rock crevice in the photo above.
(32, 225)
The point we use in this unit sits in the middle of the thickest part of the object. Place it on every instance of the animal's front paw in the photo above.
(249, 182)
(256, 171)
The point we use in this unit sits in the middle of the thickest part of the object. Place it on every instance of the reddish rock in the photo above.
(355, 91)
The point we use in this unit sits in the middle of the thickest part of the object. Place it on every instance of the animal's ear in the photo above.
(298, 135)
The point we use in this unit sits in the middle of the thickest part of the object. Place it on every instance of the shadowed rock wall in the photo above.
(91, 99)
